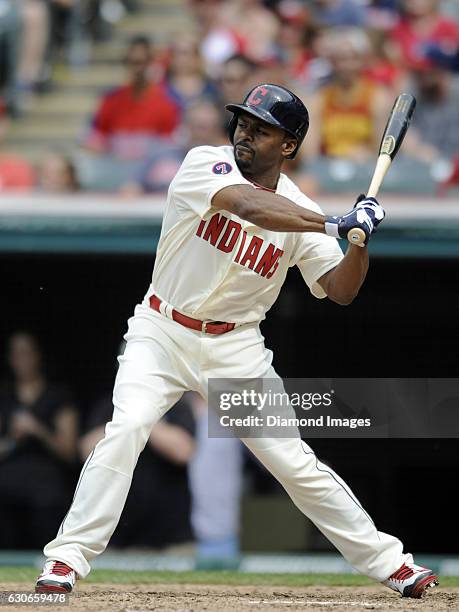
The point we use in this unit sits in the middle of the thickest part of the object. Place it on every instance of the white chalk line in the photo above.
(325, 602)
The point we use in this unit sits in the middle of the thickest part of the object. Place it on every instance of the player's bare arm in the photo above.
(268, 210)
(343, 283)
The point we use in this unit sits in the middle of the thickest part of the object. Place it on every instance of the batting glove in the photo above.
(372, 207)
(366, 215)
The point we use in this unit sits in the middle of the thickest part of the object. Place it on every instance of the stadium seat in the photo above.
(104, 173)
(343, 175)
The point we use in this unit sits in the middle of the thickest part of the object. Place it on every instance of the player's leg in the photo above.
(314, 488)
(149, 381)
(330, 504)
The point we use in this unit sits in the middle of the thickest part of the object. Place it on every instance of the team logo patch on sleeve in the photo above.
(222, 168)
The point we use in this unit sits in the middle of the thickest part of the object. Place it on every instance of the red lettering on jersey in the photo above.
(278, 254)
(268, 260)
(229, 238)
(257, 95)
(200, 228)
(215, 228)
(244, 236)
(252, 252)
(226, 232)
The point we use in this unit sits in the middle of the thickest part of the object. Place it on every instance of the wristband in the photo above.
(331, 226)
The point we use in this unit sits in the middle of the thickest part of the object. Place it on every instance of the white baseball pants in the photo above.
(163, 359)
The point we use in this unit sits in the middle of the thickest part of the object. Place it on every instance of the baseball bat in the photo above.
(394, 133)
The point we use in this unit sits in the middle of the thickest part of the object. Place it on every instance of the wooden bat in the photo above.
(394, 133)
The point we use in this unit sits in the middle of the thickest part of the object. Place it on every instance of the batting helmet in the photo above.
(277, 106)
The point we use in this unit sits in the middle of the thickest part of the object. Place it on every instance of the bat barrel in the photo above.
(396, 128)
(397, 125)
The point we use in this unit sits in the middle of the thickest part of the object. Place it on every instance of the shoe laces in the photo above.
(404, 572)
(61, 569)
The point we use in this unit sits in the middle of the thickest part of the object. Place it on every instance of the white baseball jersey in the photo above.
(213, 265)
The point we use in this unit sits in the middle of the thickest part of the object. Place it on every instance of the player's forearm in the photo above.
(343, 283)
(269, 210)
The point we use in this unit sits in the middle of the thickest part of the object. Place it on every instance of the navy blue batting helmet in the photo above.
(277, 106)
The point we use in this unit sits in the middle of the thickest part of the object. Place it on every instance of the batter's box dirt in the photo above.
(214, 598)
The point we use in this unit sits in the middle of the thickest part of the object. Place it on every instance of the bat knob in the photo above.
(356, 236)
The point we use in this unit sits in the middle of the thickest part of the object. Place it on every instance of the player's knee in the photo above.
(296, 466)
(135, 422)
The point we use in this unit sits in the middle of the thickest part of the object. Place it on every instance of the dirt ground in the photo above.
(214, 598)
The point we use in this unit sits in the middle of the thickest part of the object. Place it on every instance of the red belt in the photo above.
(208, 327)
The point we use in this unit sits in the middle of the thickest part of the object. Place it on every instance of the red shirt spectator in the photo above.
(417, 30)
(122, 113)
(15, 174)
(131, 115)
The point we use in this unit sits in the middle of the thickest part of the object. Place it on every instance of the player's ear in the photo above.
(288, 146)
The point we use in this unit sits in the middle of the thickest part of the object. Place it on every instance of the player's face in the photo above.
(258, 145)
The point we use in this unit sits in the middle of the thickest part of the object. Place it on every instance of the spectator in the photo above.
(237, 77)
(57, 174)
(348, 114)
(331, 13)
(219, 40)
(4, 120)
(433, 134)
(295, 37)
(62, 14)
(132, 117)
(256, 26)
(38, 434)
(448, 59)
(16, 174)
(380, 66)
(185, 78)
(420, 27)
(382, 14)
(72, 26)
(202, 125)
(157, 511)
(35, 38)
(10, 27)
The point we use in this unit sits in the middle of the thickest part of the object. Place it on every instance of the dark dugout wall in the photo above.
(404, 323)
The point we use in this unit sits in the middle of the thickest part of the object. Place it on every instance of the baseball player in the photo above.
(233, 225)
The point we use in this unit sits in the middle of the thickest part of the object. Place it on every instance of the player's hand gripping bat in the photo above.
(396, 128)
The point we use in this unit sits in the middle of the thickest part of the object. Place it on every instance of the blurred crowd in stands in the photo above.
(177, 497)
(347, 59)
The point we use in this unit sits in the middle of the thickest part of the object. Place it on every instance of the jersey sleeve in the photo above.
(203, 173)
(315, 254)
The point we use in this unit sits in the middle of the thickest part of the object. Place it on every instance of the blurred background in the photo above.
(99, 102)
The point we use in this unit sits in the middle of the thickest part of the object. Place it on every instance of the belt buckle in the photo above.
(220, 327)
(204, 326)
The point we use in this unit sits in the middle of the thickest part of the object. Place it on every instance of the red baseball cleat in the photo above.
(56, 577)
(411, 580)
